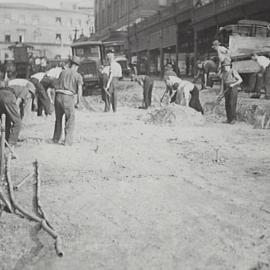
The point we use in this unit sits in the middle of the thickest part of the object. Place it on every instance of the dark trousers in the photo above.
(147, 92)
(105, 97)
(263, 81)
(112, 99)
(9, 107)
(43, 100)
(230, 94)
(267, 82)
(64, 105)
(195, 100)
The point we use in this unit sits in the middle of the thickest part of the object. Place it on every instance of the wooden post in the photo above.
(195, 51)
(3, 140)
(177, 50)
(161, 54)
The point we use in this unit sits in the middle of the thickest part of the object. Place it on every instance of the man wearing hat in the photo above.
(70, 84)
(230, 83)
(112, 84)
(262, 76)
(169, 71)
(223, 52)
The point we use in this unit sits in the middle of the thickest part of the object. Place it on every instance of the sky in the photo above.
(48, 3)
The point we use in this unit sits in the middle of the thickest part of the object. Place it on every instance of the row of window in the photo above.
(35, 20)
(58, 37)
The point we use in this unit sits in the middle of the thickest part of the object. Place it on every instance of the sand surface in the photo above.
(130, 194)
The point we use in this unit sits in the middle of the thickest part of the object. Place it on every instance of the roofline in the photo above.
(89, 42)
(7, 6)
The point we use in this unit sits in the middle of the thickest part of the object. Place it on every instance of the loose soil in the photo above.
(135, 194)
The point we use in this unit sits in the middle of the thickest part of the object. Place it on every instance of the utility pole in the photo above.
(75, 35)
(128, 41)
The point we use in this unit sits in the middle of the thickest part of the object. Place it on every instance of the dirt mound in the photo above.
(132, 95)
(92, 103)
(175, 115)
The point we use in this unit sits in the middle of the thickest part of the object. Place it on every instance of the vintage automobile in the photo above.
(91, 53)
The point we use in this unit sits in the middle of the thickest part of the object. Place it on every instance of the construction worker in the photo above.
(183, 90)
(28, 104)
(70, 84)
(230, 84)
(206, 70)
(169, 70)
(104, 78)
(9, 105)
(262, 76)
(44, 98)
(112, 84)
(147, 84)
(223, 53)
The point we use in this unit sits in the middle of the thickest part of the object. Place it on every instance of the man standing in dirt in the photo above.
(230, 83)
(70, 84)
(112, 84)
(206, 70)
(263, 76)
(9, 105)
(183, 90)
(44, 101)
(147, 84)
(223, 53)
(104, 74)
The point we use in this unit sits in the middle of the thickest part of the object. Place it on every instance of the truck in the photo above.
(91, 54)
(243, 39)
(120, 54)
(21, 59)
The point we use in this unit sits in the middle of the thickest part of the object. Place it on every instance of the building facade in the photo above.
(49, 31)
(112, 15)
(184, 31)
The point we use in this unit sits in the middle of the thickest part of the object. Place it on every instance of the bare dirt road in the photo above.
(131, 195)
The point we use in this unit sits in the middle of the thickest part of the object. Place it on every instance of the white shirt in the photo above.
(106, 70)
(54, 72)
(223, 53)
(23, 82)
(186, 86)
(39, 76)
(263, 61)
(115, 69)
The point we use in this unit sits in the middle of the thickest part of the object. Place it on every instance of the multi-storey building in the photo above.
(185, 30)
(49, 31)
(111, 15)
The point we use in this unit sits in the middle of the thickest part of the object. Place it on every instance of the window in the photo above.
(7, 38)
(35, 20)
(21, 39)
(36, 35)
(79, 22)
(93, 51)
(70, 22)
(21, 34)
(58, 20)
(7, 19)
(58, 38)
(21, 19)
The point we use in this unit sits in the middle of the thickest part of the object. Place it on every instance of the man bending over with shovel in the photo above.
(184, 90)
